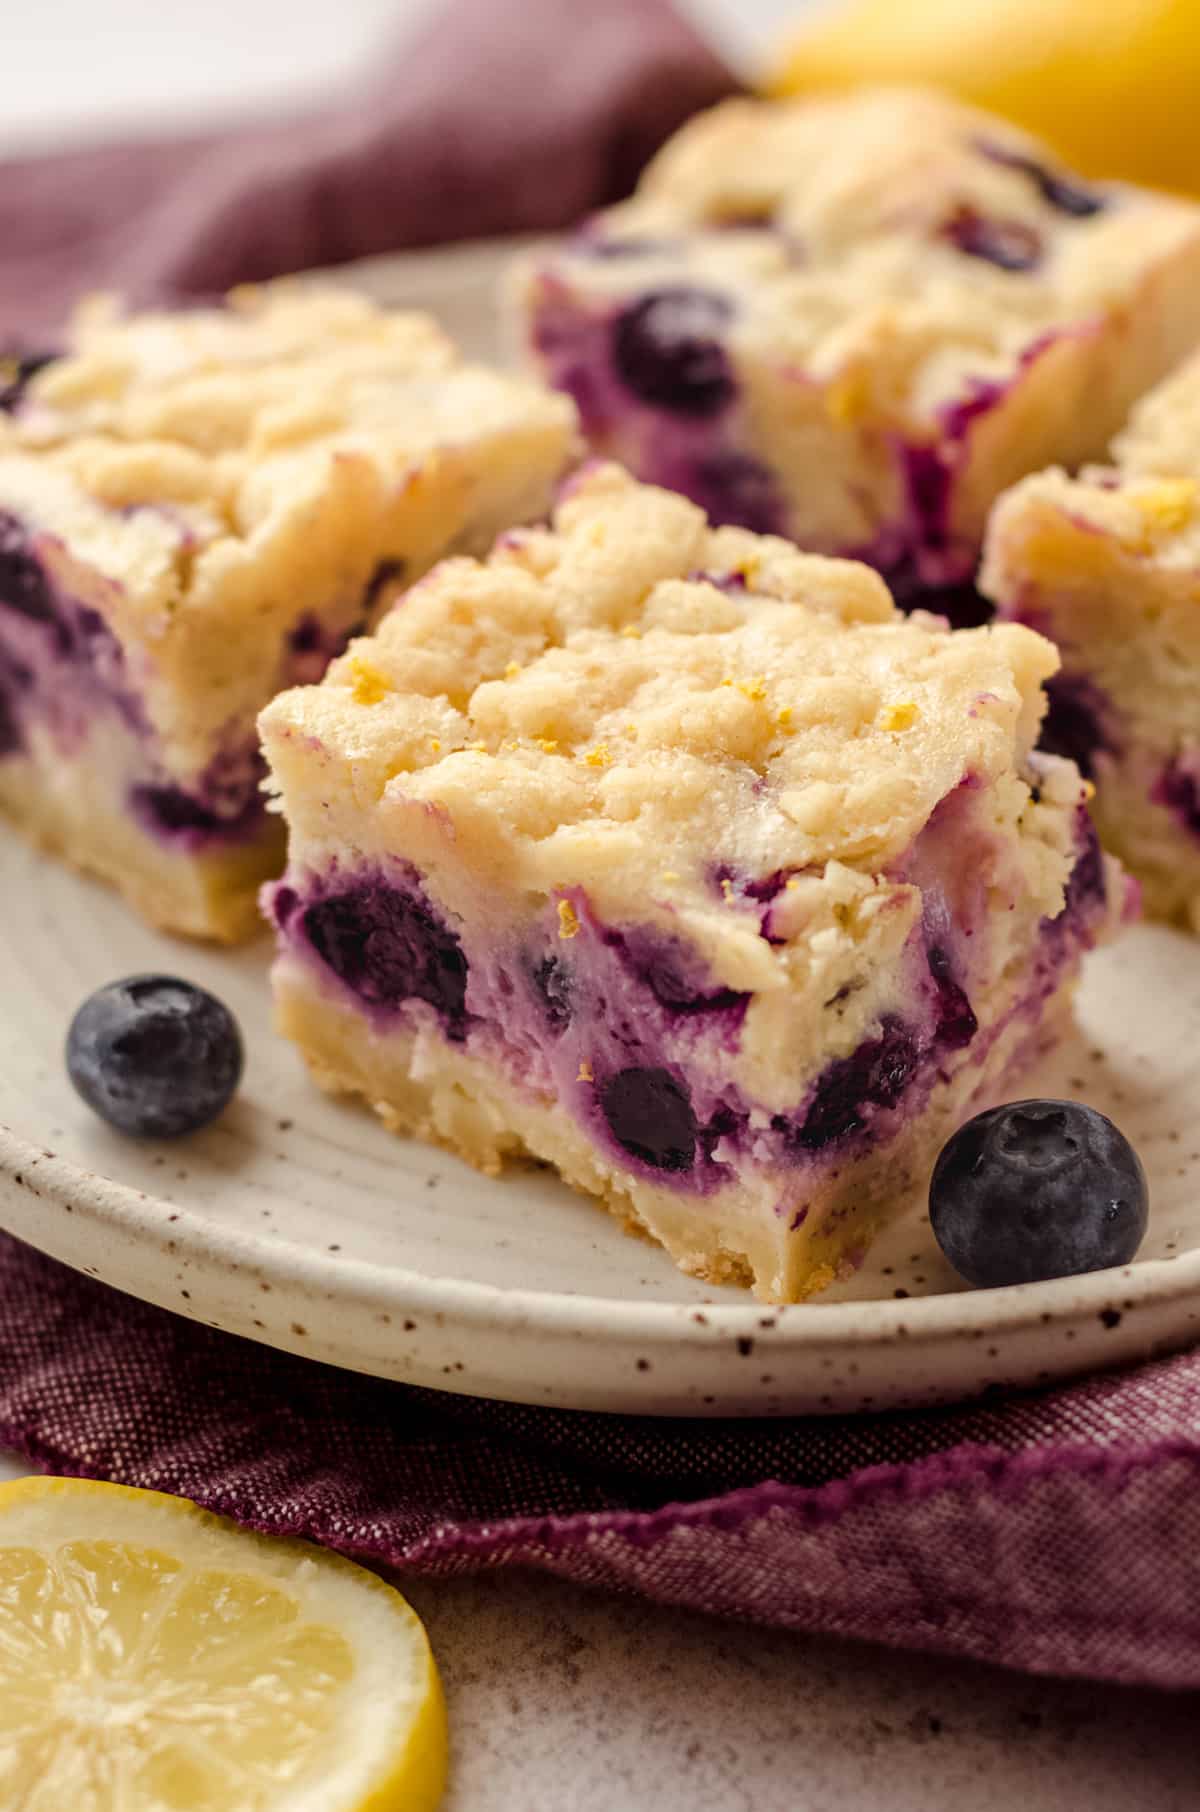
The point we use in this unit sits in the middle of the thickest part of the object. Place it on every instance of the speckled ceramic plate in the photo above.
(300, 1222)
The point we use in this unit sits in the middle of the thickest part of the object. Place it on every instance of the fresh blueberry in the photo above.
(1037, 1189)
(650, 1117)
(154, 1056)
(667, 351)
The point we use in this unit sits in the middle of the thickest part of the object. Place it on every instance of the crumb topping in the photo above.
(796, 723)
(894, 242)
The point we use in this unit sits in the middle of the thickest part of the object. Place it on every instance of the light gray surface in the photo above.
(562, 1701)
(567, 1701)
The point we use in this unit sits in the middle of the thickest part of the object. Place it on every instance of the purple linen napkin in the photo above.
(496, 118)
(1058, 1533)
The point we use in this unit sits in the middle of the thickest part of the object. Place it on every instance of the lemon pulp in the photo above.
(156, 1659)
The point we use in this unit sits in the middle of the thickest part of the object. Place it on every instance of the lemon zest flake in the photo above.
(901, 716)
(369, 684)
(568, 921)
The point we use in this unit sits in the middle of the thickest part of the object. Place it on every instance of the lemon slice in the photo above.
(154, 1658)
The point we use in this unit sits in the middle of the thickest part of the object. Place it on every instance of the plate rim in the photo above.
(1004, 1310)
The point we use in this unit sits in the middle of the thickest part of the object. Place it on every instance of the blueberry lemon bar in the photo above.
(855, 321)
(685, 862)
(197, 509)
(1108, 564)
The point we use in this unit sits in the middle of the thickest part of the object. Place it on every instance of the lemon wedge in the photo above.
(1111, 86)
(154, 1658)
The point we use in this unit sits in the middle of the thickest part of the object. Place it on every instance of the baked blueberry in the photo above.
(1065, 193)
(1178, 790)
(1074, 724)
(666, 350)
(23, 583)
(1009, 244)
(650, 1117)
(389, 947)
(154, 1056)
(874, 1076)
(1037, 1189)
(553, 984)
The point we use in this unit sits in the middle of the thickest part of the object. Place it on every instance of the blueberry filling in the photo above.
(734, 489)
(665, 967)
(650, 1117)
(1074, 724)
(1066, 194)
(171, 811)
(15, 373)
(874, 1076)
(725, 879)
(390, 946)
(1087, 885)
(1008, 244)
(732, 584)
(24, 586)
(927, 480)
(10, 729)
(283, 903)
(957, 1024)
(553, 986)
(666, 351)
(15, 678)
(961, 603)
